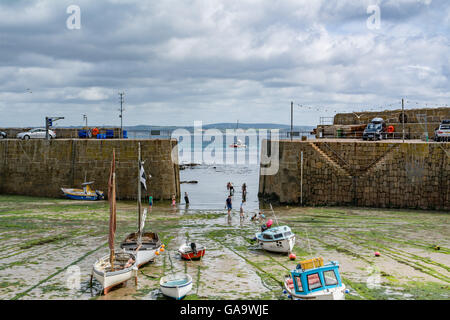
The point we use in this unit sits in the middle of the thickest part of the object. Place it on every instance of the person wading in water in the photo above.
(244, 192)
(228, 204)
(186, 198)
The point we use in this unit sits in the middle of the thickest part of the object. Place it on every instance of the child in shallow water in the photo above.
(173, 200)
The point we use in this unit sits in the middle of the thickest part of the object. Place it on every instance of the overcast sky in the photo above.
(219, 61)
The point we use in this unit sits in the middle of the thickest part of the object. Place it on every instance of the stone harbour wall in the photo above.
(42, 168)
(384, 174)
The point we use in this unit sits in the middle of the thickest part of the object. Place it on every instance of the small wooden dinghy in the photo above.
(124, 269)
(192, 251)
(312, 280)
(115, 268)
(176, 286)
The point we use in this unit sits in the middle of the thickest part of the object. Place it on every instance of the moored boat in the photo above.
(276, 239)
(145, 245)
(312, 280)
(176, 285)
(87, 193)
(115, 268)
(192, 251)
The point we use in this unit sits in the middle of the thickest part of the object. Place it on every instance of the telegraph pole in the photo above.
(121, 94)
(403, 119)
(292, 117)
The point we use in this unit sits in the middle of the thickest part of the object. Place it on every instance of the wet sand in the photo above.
(45, 243)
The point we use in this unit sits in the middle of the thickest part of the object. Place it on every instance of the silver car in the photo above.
(38, 133)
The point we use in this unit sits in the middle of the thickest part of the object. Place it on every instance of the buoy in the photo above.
(347, 291)
(95, 131)
(292, 256)
(162, 249)
(163, 245)
(390, 129)
(157, 253)
(377, 254)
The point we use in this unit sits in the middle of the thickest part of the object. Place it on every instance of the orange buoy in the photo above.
(292, 256)
(157, 253)
(95, 131)
(390, 129)
(162, 249)
(163, 246)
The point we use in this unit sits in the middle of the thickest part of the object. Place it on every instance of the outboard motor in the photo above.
(194, 247)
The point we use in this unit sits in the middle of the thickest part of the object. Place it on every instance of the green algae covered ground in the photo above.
(48, 246)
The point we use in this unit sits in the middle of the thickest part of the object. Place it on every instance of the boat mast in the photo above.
(112, 209)
(139, 189)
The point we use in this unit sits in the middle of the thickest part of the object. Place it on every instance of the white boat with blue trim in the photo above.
(312, 280)
(176, 286)
(276, 239)
(87, 193)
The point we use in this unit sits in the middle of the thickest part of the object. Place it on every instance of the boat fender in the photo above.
(347, 291)
(289, 296)
(284, 291)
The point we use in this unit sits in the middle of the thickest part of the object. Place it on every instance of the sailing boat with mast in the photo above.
(117, 267)
(145, 245)
(238, 143)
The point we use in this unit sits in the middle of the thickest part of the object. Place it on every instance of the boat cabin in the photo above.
(312, 280)
(275, 234)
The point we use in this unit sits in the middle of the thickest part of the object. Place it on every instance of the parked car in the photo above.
(443, 132)
(375, 130)
(2, 135)
(38, 133)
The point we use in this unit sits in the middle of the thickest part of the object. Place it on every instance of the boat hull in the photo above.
(147, 252)
(337, 293)
(110, 279)
(281, 246)
(78, 194)
(187, 253)
(176, 286)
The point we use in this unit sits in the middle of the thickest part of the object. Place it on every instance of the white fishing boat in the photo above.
(145, 245)
(115, 268)
(176, 286)
(276, 239)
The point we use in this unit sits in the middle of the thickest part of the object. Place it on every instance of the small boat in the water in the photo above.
(192, 251)
(238, 144)
(115, 268)
(87, 193)
(145, 245)
(312, 280)
(176, 286)
(276, 239)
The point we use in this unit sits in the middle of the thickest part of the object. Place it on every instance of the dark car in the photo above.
(375, 130)
(2, 135)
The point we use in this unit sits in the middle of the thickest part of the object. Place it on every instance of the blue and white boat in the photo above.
(276, 239)
(315, 281)
(87, 193)
(176, 285)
